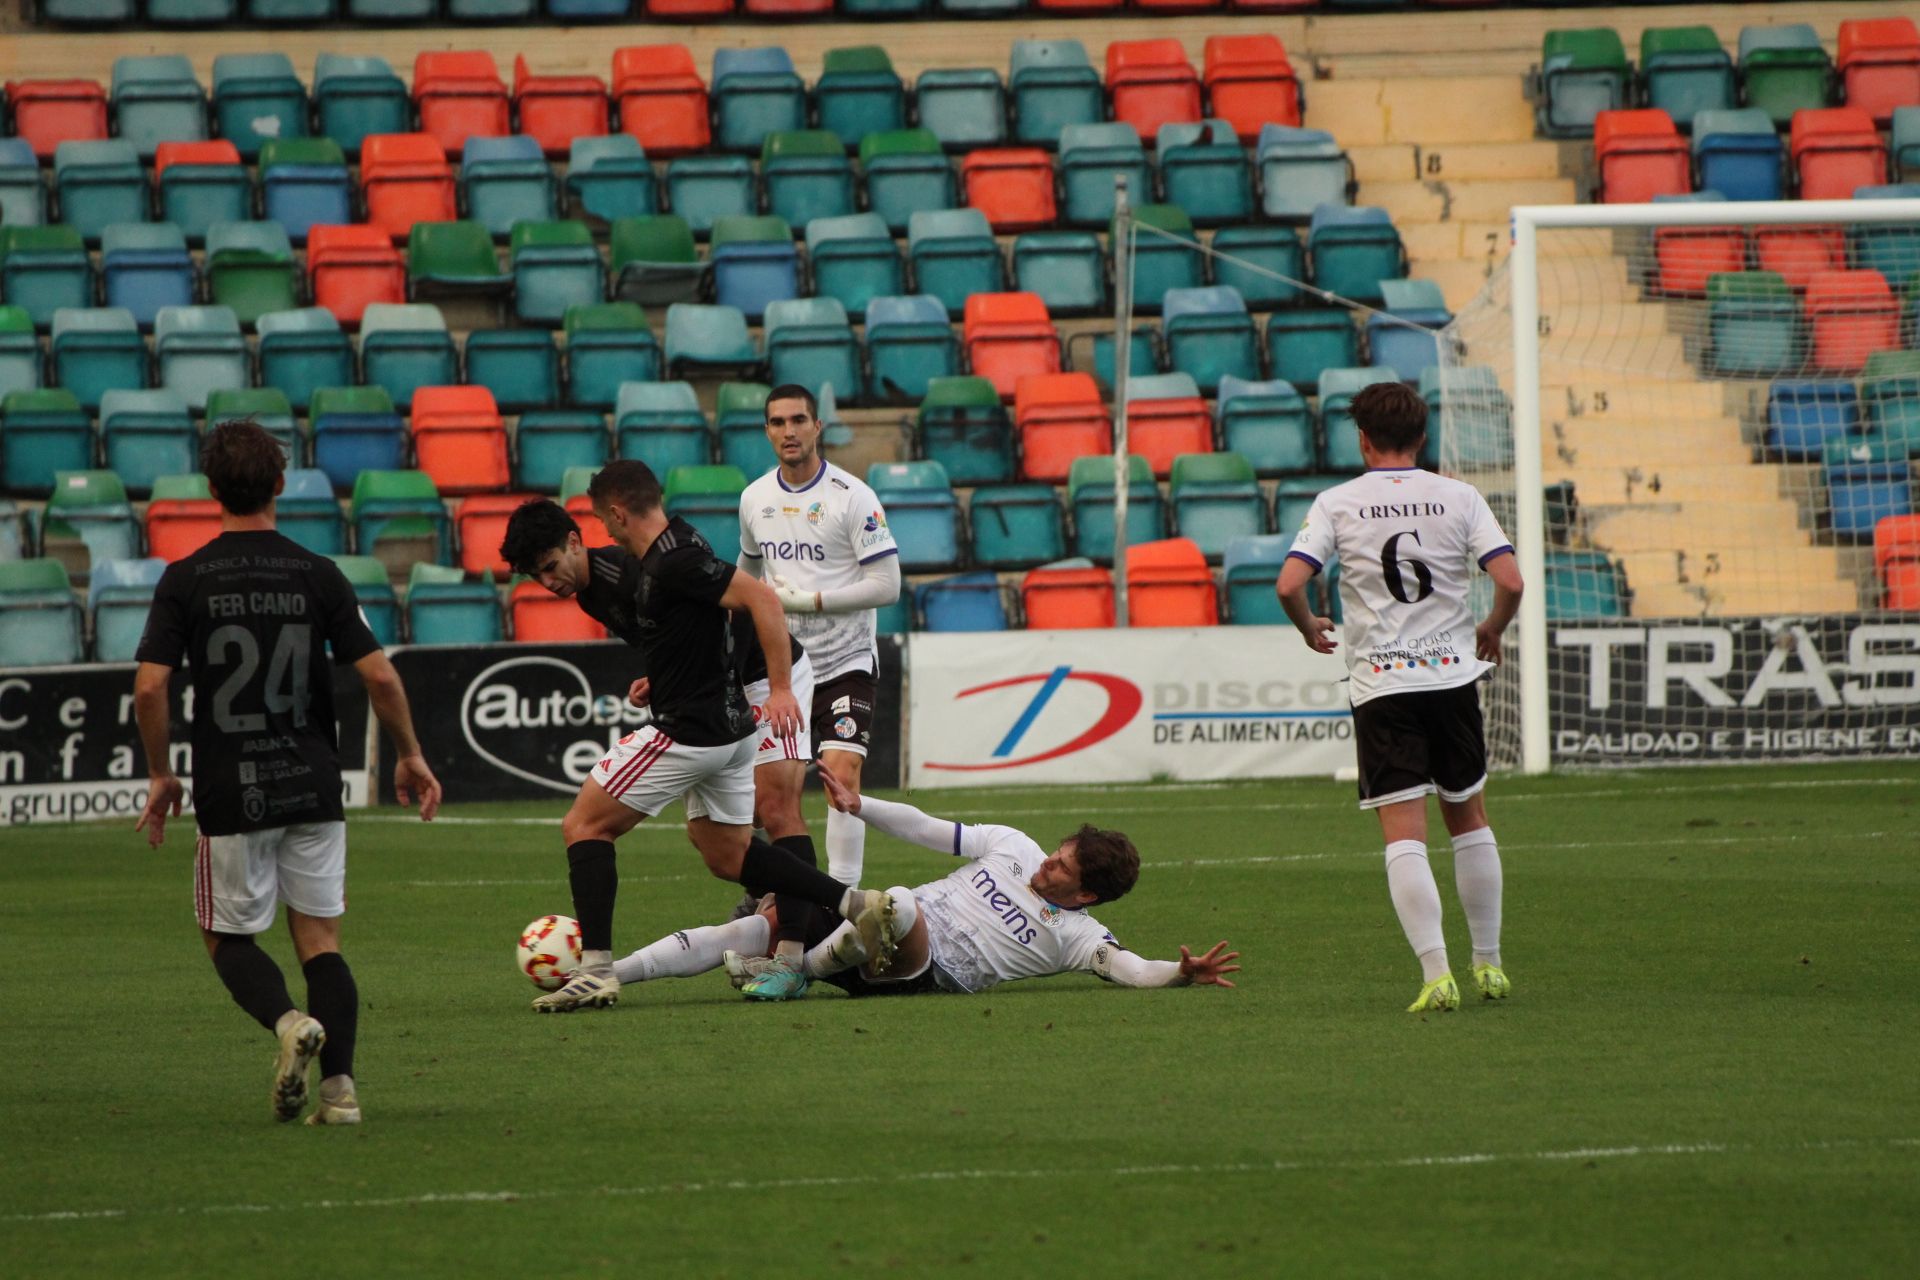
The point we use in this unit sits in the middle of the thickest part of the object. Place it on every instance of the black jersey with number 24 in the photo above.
(687, 640)
(252, 614)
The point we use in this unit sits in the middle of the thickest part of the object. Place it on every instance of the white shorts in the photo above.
(239, 880)
(800, 746)
(647, 770)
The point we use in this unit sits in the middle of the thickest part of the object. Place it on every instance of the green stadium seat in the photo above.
(146, 434)
(859, 93)
(257, 99)
(508, 180)
(954, 255)
(964, 426)
(607, 344)
(398, 517)
(909, 345)
(301, 350)
(452, 259)
(1267, 423)
(99, 183)
(1053, 85)
(1160, 264)
(905, 171)
(521, 367)
(1017, 526)
(1066, 268)
(1784, 69)
(43, 269)
(406, 346)
(41, 624)
(1204, 170)
(97, 350)
(443, 607)
(555, 266)
(90, 508)
(1582, 73)
(663, 425)
(1090, 494)
(549, 442)
(374, 589)
(654, 260)
(705, 188)
(42, 433)
(119, 595)
(1215, 500)
(708, 498)
(202, 183)
(308, 513)
(854, 260)
(1754, 326)
(250, 268)
(610, 177)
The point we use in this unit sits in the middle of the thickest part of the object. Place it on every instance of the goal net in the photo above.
(1698, 423)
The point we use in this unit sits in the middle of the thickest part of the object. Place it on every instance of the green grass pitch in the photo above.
(1708, 1066)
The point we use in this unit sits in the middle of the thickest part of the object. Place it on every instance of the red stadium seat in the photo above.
(349, 267)
(1060, 417)
(540, 617)
(1250, 83)
(218, 151)
(1169, 585)
(1799, 253)
(49, 112)
(481, 522)
(1007, 336)
(1067, 599)
(1685, 256)
(460, 96)
(178, 527)
(592, 532)
(1896, 558)
(1013, 186)
(1835, 152)
(1151, 83)
(558, 109)
(1880, 65)
(459, 439)
(1640, 155)
(1852, 314)
(1161, 430)
(662, 99)
(407, 179)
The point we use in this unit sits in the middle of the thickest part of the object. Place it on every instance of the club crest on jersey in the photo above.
(253, 802)
(815, 512)
(1049, 915)
(845, 727)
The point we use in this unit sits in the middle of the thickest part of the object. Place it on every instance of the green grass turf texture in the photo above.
(1707, 1067)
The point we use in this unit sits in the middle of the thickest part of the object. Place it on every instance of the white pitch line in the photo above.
(655, 1190)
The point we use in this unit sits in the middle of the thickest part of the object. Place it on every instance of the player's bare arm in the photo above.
(388, 698)
(1504, 569)
(1317, 631)
(151, 712)
(755, 598)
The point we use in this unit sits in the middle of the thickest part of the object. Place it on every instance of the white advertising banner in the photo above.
(988, 709)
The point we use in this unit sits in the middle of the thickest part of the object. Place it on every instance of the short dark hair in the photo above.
(1392, 414)
(535, 528)
(627, 481)
(243, 463)
(1109, 864)
(794, 391)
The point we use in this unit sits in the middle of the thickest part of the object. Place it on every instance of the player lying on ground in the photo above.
(1011, 912)
(1408, 541)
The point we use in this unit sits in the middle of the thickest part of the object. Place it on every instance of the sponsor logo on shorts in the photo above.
(841, 706)
(845, 727)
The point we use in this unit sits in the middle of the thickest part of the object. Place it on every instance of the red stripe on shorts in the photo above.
(624, 780)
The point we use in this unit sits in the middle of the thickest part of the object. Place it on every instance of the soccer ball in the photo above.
(550, 951)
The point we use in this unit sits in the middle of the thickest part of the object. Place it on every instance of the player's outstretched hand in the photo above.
(1209, 970)
(1320, 639)
(640, 692)
(163, 800)
(1486, 643)
(411, 775)
(839, 795)
(782, 713)
(794, 600)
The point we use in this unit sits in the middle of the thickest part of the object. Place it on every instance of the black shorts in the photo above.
(1414, 744)
(843, 712)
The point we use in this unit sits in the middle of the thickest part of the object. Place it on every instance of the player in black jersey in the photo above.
(253, 614)
(702, 739)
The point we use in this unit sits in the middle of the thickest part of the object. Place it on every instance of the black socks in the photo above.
(335, 1001)
(595, 880)
(252, 978)
(796, 914)
(783, 873)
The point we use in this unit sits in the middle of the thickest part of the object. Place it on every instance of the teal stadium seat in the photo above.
(308, 513)
(859, 93)
(1209, 335)
(23, 201)
(740, 422)
(443, 607)
(508, 180)
(40, 618)
(1340, 438)
(705, 188)
(755, 92)
(374, 590)
(1144, 353)
(663, 425)
(1092, 156)
(1905, 157)
(520, 366)
(1391, 342)
(1353, 250)
(548, 442)
(1302, 343)
(20, 352)
(1249, 571)
(1066, 268)
(43, 269)
(556, 265)
(964, 107)
(97, 350)
(199, 350)
(265, 406)
(1468, 401)
(1584, 584)
(302, 350)
(1017, 526)
(964, 426)
(708, 498)
(607, 344)
(1160, 264)
(1582, 73)
(89, 508)
(905, 171)
(1683, 71)
(709, 337)
(909, 345)
(192, 13)
(1293, 499)
(257, 99)
(99, 183)
(1300, 170)
(147, 434)
(1264, 262)
(406, 346)
(954, 256)
(1215, 500)
(1267, 423)
(202, 183)
(610, 177)
(854, 260)
(922, 510)
(811, 342)
(119, 594)
(806, 175)
(156, 98)
(42, 433)
(355, 96)
(1204, 170)
(1053, 85)
(1754, 325)
(1090, 494)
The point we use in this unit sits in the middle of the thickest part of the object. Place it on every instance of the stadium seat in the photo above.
(740, 422)
(250, 268)
(443, 607)
(356, 429)
(1092, 156)
(1058, 598)
(1143, 351)
(40, 619)
(1683, 71)
(963, 425)
(955, 256)
(119, 594)
(1053, 85)
(860, 10)
(1906, 143)
(43, 269)
(48, 112)
(1169, 585)
(304, 184)
(1879, 65)
(559, 111)
(904, 172)
(555, 266)
(1009, 336)
(23, 202)
(507, 180)
(157, 99)
(89, 12)
(1799, 251)
(1470, 396)
(663, 425)
(182, 517)
(810, 342)
(1890, 399)
(1016, 526)
(303, 350)
(460, 95)
(256, 99)
(610, 177)
(910, 346)
(1896, 560)
(406, 179)
(520, 366)
(1066, 268)
(806, 175)
(1738, 153)
(1160, 264)
(1783, 69)
(755, 92)
(1250, 83)
(1867, 481)
(1301, 170)
(1215, 500)
(1802, 415)
(1834, 151)
(398, 517)
(965, 602)
(308, 513)
(1892, 249)
(709, 337)
(1266, 263)
(201, 183)
(548, 442)
(1584, 584)
(654, 260)
(964, 107)
(859, 93)
(391, 10)
(99, 184)
(1166, 418)
(662, 99)
(1582, 73)
(1090, 491)
(145, 266)
(268, 408)
(144, 434)
(1151, 83)
(1753, 326)
(708, 498)
(354, 267)
(1250, 568)
(1204, 170)
(922, 511)
(373, 588)
(540, 617)
(1012, 186)
(460, 441)
(854, 260)
(454, 259)
(1353, 250)
(1059, 417)
(1640, 155)
(1209, 335)
(607, 344)
(754, 263)
(1340, 438)
(357, 96)
(42, 433)
(96, 350)
(1390, 342)
(1684, 256)
(1267, 423)
(704, 188)
(1850, 316)
(406, 346)
(20, 352)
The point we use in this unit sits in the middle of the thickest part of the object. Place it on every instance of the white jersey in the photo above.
(817, 537)
(987, 927)
(1407, 541)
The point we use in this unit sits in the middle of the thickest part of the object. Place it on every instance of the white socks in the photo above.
(846, 847)
(693, 951)
(842, 949)
(1476, 874)
(1416, 899)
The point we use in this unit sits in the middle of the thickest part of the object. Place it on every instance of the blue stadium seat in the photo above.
(754, 262)
(157, 99)
(1017, 526)
(1390, 342)
(1250, 569)
(308, 513)
(1867, 482)
(145, 266)
(1738, 153)
(302, 350)
(508, 180)
(755, 92)
(257, 98)
(810, 342)
(1267, 423)
(1066, 268)
(99, 184)
(23, 202)
(1204, 170)
(1209, 335)
(547, 442)
(356, 429)
(964, 107)
(1353, 250)
(443, 607)
(854, 260)
(119, 593)
(97, 350)
(954, 256)
(304, 184)
(662, 424)
(1053, 85)
(1339, 436)
(610, 177)
(1244, 255)
(964, 602)
(922, 510)
(1091, 157)
(1802, 415)
(1300, 170)
(406, 346)
(1090, 494)
(147, 434)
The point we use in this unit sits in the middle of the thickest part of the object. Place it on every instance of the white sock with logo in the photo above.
(1476, 874)
(693, 951)
(1416, 899)
(841, 951)
(846, 847)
